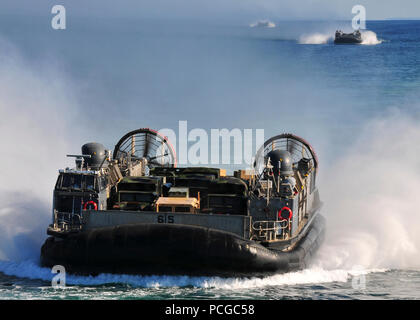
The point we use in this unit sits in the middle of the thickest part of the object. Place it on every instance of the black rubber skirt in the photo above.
(175, 250)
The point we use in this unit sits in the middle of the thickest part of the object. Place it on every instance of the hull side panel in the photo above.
(171, 249)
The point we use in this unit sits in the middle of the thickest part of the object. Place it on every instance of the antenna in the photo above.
(80, 159)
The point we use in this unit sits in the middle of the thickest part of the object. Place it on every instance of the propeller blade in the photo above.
(146, 146)
(163, 155)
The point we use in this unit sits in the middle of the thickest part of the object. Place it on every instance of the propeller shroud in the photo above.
(145, 144)
(298, 147)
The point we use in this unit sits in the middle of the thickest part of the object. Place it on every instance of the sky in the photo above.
(220, 9)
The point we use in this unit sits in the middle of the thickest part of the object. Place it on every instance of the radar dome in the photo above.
(281, 160)
(97, 154)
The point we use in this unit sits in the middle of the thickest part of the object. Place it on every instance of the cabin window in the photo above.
(77, 181)
(59, 181)
(67, 181)
(165, 209)
(182, 209)
(89, 182)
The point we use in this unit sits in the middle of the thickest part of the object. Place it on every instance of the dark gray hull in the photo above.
(348, 40)
(172, 249)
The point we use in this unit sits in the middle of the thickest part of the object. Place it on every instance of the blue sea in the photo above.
(357, 104)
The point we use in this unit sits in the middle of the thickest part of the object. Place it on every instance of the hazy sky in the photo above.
(236, 10)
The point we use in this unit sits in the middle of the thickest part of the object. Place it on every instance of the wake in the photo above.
(368, 37)
(315, 38)
(30, 270)
(370, 194)
(263, 24)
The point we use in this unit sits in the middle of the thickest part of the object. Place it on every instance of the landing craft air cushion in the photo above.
(136, 212)
(348, 38)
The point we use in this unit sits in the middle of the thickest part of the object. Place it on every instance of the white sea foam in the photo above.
(370, 38)
(30, 270)
(36, 118)
(371, 198)
(263, 24)
(315, 38)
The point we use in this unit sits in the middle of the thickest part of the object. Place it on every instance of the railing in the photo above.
(271, 230)
(67, 221)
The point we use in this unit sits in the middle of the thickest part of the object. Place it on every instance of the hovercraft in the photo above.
(136, 212)
(348, 38)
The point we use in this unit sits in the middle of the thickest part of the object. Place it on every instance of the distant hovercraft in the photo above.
(348, 38)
